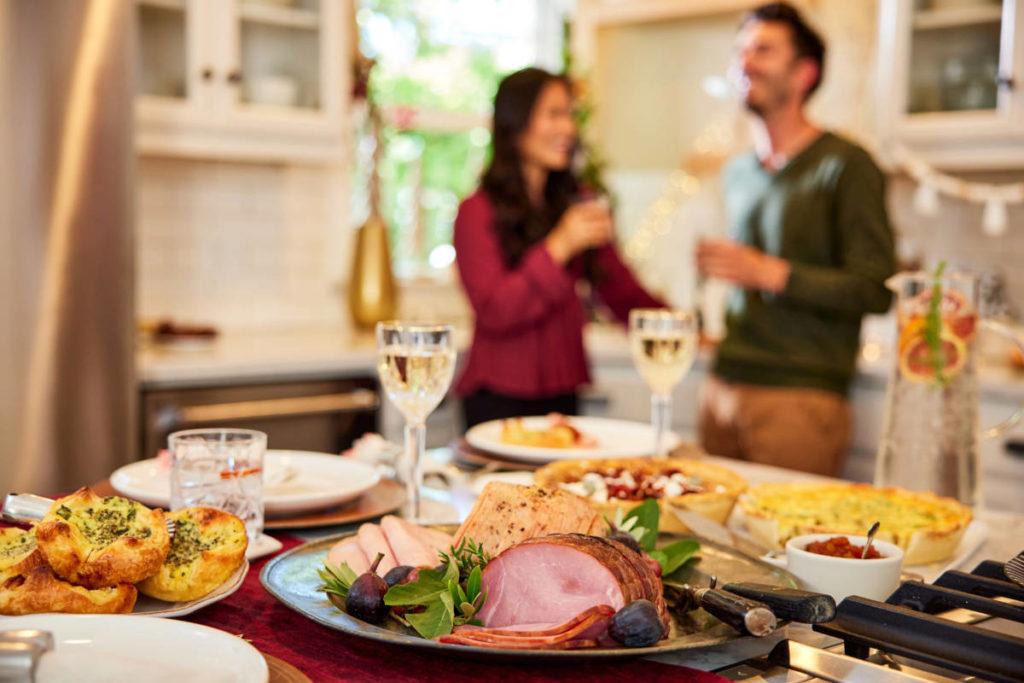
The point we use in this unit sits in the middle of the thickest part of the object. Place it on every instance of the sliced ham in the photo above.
(407, 547)
(585, 630)
(552, 579)
(348, 551)
(437, 541)
(373, 541)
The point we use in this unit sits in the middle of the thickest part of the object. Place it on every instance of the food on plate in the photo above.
(39, 590)
(551, 579)
(927, 527)
(545, 588)
(18, 553)
(208, 547)
(559, 433)
(365, 599)
(619, 484)
(101, 542)
(506, 514)
(399, 541)
(840, 546)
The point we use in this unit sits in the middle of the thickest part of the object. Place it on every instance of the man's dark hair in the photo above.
(807, 42)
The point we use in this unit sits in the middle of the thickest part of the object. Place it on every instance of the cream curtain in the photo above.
(66, 250)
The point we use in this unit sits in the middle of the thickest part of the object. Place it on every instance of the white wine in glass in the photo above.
(415, 364)
(664, 345)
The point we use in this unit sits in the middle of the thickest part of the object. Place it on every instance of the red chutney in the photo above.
(840, 546)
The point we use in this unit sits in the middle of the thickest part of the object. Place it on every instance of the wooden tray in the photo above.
(385, 497)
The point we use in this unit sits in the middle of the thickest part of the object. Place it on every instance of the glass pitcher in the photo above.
(930, 434)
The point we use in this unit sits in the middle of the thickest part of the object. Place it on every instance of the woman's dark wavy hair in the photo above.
(520, 224)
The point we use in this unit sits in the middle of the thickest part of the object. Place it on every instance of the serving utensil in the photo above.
(28, 508)
(871, 539)
(805, 607)
(747, 616)
(1014, 569)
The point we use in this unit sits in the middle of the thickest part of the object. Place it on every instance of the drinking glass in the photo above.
(664, 344)
(221, 468)
(415, 363)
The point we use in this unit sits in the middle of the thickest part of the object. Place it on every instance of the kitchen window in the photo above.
(438, 65)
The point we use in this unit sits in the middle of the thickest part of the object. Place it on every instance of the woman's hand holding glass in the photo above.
(583, 226)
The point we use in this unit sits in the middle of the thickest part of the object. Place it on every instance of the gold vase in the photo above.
(372, 294)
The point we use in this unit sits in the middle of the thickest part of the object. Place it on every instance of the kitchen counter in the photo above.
(317, 352)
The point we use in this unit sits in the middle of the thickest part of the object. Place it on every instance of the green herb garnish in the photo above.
(336, 580)
(642, 524)
(64, 511)
(467, 555)
(933, 326)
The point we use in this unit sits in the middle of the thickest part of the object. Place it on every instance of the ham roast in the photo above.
(548, 581)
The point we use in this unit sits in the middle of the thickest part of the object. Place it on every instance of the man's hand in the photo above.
(742, 265)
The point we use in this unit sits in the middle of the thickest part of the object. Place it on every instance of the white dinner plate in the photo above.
(146, 606)
(294, 482)
(101, 648)
(615, 439)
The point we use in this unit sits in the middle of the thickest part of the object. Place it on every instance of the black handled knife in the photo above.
(788, 603)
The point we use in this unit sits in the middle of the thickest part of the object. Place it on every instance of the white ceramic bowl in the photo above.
(840, 576)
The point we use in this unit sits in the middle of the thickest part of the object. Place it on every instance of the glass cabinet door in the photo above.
(957, 57)
(162, 68)
(280, 43)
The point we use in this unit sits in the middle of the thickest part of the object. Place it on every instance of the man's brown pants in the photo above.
(801, 429)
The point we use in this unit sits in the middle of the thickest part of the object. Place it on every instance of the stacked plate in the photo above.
(614, 439)
(300, 488)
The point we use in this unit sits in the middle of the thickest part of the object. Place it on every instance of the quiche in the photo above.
(207, 548)
(927, 527)
(39, 590)
(101, 542)
(18, 553)
(615, 484)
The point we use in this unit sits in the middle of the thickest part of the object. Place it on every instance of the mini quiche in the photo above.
(18, 553)
(928, 528)
(207, 548)
(558, 433)
(615, 484)
(102, 542)
(38, 590)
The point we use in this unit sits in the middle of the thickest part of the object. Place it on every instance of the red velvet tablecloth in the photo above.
(327, 655)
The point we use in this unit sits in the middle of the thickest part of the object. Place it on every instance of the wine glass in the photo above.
(415, 363)
(664, 344)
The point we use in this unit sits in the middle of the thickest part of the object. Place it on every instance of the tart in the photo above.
(615, 484)
(208, 547)
(39, 590)
(18, 553)
(927, 527)
(102, 542)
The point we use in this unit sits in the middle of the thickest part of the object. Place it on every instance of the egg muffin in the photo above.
(18, 553)
(39, 590)
(207, 548)
(101, 542)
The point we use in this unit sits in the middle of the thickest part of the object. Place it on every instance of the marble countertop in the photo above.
(308, 353)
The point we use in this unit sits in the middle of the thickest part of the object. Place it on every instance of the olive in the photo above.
(366, 596)
(626, 539)
(403, 573)
(637, 624)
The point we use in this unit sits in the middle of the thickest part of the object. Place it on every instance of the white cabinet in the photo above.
(243, 79)
(950, 80)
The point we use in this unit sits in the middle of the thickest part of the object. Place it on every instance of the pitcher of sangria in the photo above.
(930, 435)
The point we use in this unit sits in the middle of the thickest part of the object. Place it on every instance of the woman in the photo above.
(522, 245)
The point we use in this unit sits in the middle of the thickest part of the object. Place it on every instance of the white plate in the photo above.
(146, 606)
(615, 439)
(295, 482)
(102, 648)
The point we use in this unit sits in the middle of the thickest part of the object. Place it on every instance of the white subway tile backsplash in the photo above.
(241, 245)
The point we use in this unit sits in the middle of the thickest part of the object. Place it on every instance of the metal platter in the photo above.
(292, 578)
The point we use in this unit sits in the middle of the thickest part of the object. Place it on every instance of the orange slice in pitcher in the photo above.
(917, 364)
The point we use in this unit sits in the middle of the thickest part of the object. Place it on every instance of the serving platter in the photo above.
(292, 578)
(615, 439)
(146, 606)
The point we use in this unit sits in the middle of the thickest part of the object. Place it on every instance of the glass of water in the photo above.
(221, 468)
(415, 363)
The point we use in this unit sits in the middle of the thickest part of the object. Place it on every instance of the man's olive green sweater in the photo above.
(824, 213)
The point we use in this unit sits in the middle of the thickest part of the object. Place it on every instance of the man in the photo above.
(810, 250)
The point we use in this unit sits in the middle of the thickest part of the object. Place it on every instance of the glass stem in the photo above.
(661, 417)
(415, 447)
